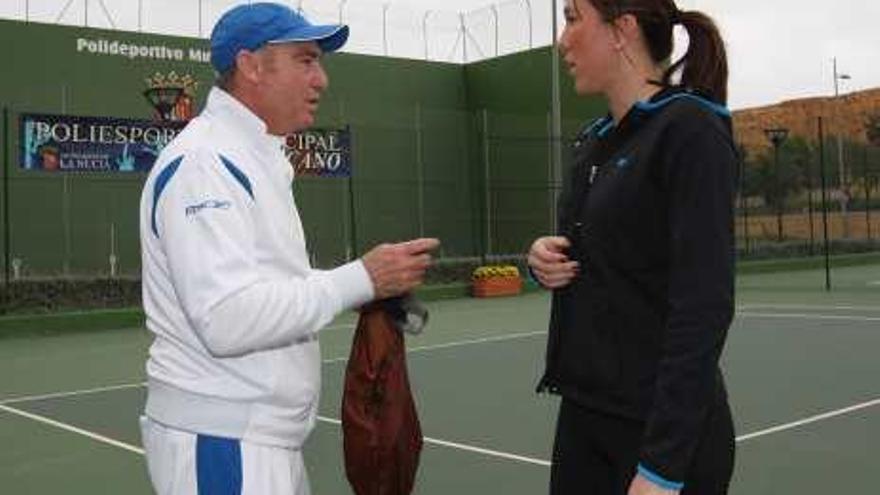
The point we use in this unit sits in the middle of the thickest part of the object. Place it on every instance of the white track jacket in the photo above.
(227, 286)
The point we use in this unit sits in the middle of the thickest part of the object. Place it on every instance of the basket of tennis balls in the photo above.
(496, 280)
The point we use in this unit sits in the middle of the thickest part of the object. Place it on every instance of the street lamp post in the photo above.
(841, 169)
(777, 136)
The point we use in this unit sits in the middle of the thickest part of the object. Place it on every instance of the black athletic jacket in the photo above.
(648, 208)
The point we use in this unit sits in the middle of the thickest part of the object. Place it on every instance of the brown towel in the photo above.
(382, 437)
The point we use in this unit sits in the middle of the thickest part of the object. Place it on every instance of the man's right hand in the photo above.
(396, 269)
(550, 264)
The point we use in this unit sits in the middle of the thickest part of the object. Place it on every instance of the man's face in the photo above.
(290, 85)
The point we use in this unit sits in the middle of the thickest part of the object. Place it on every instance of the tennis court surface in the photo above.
(802, 368)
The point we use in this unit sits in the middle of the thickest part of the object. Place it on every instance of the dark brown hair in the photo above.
(703, 66)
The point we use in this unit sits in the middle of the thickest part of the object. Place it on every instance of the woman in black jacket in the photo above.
(642, 266)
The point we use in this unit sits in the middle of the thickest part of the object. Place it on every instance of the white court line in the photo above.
(72, 429)
(444, 443)
(437, 441)
(499, 338)
(809, 316)
(124, 386)
(835, 307)
(341, 326)
(57, 395)
(131, 448)
(806, 421)
(465, 447)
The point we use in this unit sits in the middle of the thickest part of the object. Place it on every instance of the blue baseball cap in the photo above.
(252, 26)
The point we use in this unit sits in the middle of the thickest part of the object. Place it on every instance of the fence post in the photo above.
(867, 184)
(810, 207)
(420, 171)
(487, 187)
(824, 206)
(555, 115)
(351, 199)
(6, 230)
(743, 202)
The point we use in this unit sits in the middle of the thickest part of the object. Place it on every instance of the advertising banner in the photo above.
(64, 143)
(320, 152)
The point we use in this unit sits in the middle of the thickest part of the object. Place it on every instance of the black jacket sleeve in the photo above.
(699, 176)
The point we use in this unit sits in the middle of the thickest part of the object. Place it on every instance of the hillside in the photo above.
(849, 112)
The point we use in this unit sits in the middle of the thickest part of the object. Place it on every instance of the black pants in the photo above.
(597, 454)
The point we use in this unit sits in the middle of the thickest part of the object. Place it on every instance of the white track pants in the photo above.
(183, 463)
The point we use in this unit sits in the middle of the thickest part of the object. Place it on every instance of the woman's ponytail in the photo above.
(704, 66)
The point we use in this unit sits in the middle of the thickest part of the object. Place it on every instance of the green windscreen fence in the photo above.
(462, 153)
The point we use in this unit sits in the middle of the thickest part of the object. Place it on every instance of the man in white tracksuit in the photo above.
(234, 371)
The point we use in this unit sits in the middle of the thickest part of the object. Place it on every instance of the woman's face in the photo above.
(589, 47)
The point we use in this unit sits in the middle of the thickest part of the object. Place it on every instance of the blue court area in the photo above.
(801, 364)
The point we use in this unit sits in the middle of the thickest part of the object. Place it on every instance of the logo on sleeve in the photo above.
(213, 204)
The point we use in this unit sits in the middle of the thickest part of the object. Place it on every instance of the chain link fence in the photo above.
(391, 28)
(482, 181)
(807, 189)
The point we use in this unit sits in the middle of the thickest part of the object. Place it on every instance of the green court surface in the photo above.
(801, 364)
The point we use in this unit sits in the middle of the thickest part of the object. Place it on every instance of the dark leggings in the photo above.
(597, 454)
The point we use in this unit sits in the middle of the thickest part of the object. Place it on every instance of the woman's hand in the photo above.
(641, 486)
(550, 264)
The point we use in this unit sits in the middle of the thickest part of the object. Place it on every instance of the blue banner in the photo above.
(320, 152)
(62, 143)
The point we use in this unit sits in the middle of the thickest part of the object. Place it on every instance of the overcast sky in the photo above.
(778, 49)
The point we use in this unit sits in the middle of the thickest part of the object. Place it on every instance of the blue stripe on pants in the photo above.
(218, 466)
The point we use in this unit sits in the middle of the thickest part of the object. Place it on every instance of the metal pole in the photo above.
(65, 217)
(385, 29)
(778, 194)
(420, 171)
(113, 258)
(531, 27)
(27, 11)
(487, 178)
(867, 184)
(871, 184)
(86, 10)
(555, 112)
(140, 15)
(824, 207)
(63, 11)
(347, 227)
(200, 17)
(743, 204)
(551, 183)
(107, 14)
(6, 229)
(810, 209)
(495, 16)
(341, 8)
(425, 32)
(352, 209)
(841, 169)
(464, 54)
(65, 200)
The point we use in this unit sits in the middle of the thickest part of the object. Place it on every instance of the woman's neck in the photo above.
(624, 95)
